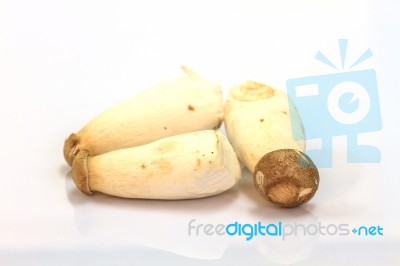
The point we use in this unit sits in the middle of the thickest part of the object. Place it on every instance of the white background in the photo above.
(62, 62)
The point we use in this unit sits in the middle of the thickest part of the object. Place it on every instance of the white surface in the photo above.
(62, 62)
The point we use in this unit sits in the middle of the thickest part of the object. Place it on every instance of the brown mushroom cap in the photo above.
(286, 177)
(80, 173)
(71, 148)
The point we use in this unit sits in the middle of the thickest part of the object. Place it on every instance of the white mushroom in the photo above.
(191, 165)
(264, 132)
(172, 107)
(257, 121)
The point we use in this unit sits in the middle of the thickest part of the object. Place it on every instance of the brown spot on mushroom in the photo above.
(165, 147)
(261, 120)
(252, 91)
(284, 112)
(191, 107)
(143, 166)
(286, 177)
(165, 128)
(161, 167)
(217, 142)
(198, 162)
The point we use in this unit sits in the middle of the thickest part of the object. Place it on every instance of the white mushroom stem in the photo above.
(191, 165)
(258, 121)
(172, 107)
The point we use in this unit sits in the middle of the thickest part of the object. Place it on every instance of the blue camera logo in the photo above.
(345, 103)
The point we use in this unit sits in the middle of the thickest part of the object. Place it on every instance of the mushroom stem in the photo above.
(172, 107)
(264, 133)
(258, 121)
(191, 165)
